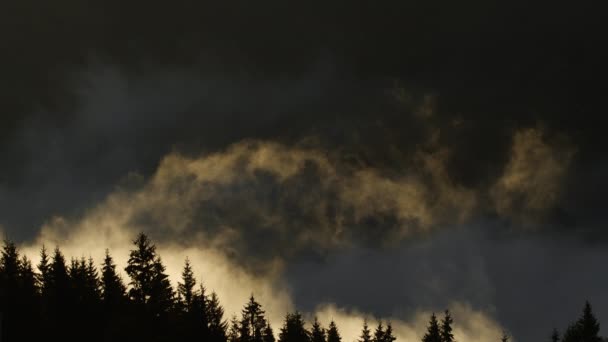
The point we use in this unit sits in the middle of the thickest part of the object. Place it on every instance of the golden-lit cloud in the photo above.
(470, 325)
(220, 209)
(532, 179)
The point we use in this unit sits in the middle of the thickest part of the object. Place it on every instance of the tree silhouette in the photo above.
(9, 290)
(268, 334)
(44, 268)
(76, 302)
(293, 329)
(365, 333)
(185, 288)
(585, 329)
(379, 333)
(388, 333)
(433, 334)
(252, 322)
(446, 328)
(317, 333)
(141, 269)
(113, 289)
(233, 332)
(333, 335)
(217, 325)
(150, 286)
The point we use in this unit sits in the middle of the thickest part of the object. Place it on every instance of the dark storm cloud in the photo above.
(495, 108)
(502, 276)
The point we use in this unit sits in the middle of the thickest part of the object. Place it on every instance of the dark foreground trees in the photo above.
(74, 300)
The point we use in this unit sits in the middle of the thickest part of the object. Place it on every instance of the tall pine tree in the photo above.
(333, 335)
(446, 328)
(317, 333)
(112, 287)
(252, 322)
(379, 333)
(268, 334)
(185, 288)
(585, 329)
(215, 314)
(388, 333)
(293, 329)
(433, 333)
(365, 333)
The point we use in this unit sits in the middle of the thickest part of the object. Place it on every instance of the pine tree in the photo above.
(365, 333)
(113, 289)
(293, 329)
(317, 333)
(333, 335)
(9, 262)
(217, 325)
(585, 329)
(44, 268)
(590, 327)
(252, 322)
(58, 276)
(141, 269)
(233, 333)
(433, 334)
(185, 289)
(150, 285)
(161, 292)
(27, 278)
(268, 334)
(388, 333)
(9, 291)
(92, 282)
(446, 328)
(379, 333)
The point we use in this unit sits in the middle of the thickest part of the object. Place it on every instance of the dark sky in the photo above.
(450, 143)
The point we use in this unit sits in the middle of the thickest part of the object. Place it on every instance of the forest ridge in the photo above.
(78, 301)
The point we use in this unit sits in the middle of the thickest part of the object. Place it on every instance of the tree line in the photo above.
(76, 301)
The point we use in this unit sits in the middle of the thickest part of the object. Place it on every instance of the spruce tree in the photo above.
(433, 333)
(333, 335)
(215, 315)
(365, 333)
(379, 333)
(92, 282)
(185, 288)
(9, 291)
(268, 334)
(585, 329)
(388, 333)
(161, 292)
(113, 289)
(317, 333)
(293, 329)
(141, 269)
(233, 332)
(150, 285)
(44, 268)
(252, 322)
(9, 263)
(446, 328)
(59, 279)
(590, 327)
(27, 278)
